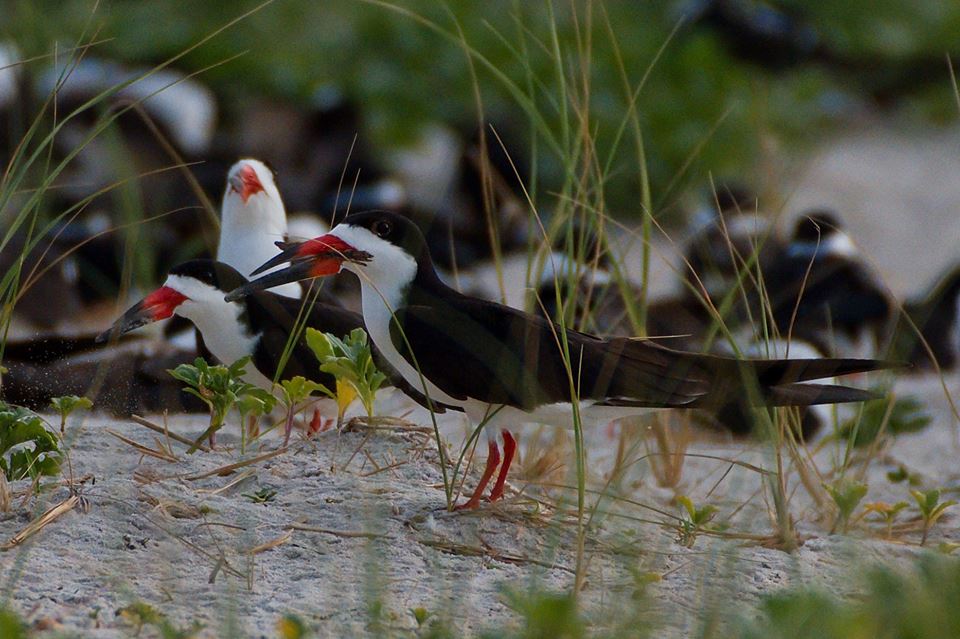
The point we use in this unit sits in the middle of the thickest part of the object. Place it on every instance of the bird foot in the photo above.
(509, 450)
(493, 460)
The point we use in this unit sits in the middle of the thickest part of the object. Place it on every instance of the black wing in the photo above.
(279, 315)
(495, 354)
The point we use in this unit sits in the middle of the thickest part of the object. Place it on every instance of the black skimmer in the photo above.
(253, 218)
(258, 326)
(576, 273)
(502, 366)
(728, 235)
(821, 288)
(936, 315)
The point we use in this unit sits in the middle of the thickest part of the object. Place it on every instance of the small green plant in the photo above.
(262, 496)
(141, 614)
(65, 405)
(27, 448)
(907, 415)
(421, 615)
(11, 626)
(886, 513)
(931, 509)
(350, 361)
(252, 406)
(295, 391)
(219, 387)
(692, 520)
(290, 626)
(546, 614)
(847, 495)
(894, 603)
(903, 474)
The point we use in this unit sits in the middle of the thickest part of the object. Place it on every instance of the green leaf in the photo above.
(299, 388)
(69, 403)
(319, 343)
(27, 448)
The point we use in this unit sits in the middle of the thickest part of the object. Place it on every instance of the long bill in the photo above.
(318, 257)
(156, 306)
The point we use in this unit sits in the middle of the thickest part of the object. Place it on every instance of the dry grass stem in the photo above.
(273, 543)
(42, 522)
(167, 433)
(229, 468)
(346, 534)
(144, 450)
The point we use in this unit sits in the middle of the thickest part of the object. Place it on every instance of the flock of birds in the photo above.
(448, 351)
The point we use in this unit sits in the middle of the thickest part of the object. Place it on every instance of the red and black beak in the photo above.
(245, 182)
(154, 307)
(318, 257)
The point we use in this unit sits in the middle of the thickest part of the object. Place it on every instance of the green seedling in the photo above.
(421, 615)
(263, 496)
(931, 509)
(27, 448)
(219, 387)
(253, 405)
(847, 495)
(65, 405)
(693, 520)
(290, 626)
(901, 474)
(350, 361)
(295, 391)
(11, 626)
(547, 614)
(886, 513)
(141, 614)
(907, 415)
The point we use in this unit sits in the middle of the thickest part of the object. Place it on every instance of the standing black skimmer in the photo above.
(253, 219)
(821, 288)
(258, 326)
(503, 366)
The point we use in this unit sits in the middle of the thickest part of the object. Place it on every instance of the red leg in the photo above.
(509, 448)
(493, 460)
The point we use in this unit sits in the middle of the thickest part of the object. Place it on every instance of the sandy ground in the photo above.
(358, 518)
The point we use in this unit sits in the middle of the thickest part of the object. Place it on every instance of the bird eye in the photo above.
(381, 228)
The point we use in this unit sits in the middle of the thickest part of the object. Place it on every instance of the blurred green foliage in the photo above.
(405, 74)
(920, 602)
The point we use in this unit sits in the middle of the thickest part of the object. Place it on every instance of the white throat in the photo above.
(249, 229)
(384, 281)
(219, 323)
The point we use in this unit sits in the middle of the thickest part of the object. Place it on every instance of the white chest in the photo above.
(224, 336)
(377, 316)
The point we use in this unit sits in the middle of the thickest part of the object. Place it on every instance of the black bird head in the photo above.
(182, 285)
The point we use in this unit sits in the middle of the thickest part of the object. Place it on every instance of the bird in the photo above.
(258, 326)
(729, 239)
(820, 288)
(936, 316)
(501, 366)
(253, 218)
